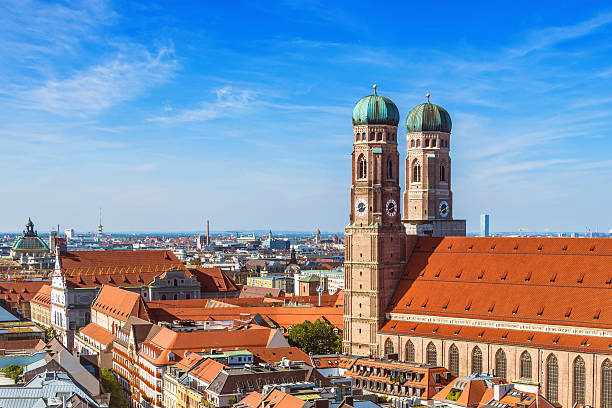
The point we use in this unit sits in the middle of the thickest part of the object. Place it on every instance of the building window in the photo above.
(552, 379)
(453, 360)
(579, 381)
(410, 354)
(426, 142)
(372, 136)
(500, 364)
(379, 136)
(418, 143)
(416, 172)
(388, 347)
(433, 143)
(606, 384)
(412, 143)
(442, 173)
(476, 360)
(363, 167)
(432, 354)
(526, 366)
(389, 169)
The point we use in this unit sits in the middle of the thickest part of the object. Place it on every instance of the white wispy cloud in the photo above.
(126, 75)
(228, 101)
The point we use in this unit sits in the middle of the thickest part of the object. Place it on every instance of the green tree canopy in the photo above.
(110, 384)
(316, 338)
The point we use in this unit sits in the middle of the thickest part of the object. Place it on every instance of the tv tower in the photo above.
(100, 227)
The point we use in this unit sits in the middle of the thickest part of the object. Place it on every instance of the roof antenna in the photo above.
(375, 88)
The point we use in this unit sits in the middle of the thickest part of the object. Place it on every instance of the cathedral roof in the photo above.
(552, 281)
(428, 117)
(29, 241)
(375, 110)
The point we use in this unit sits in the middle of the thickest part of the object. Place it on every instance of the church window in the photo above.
(416, 172)
(410, 354)
(412, 143)
(418, 143)
(476, 360)
(188, 296)
(388, 347)
(442, 173)
(426, 142)
(606, 384)
(175, 282)
(453, 360)
(500, 363)
(389, 169)
(433, 143)
(163, 297)
(372, 136)
(363, 167)
(526, 366)
(579, 381)
(552, 379)
(379, 136)
(432, 354)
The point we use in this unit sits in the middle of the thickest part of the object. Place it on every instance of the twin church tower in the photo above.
(379, 233)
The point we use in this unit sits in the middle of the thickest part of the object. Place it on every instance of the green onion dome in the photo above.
(375, 110)
(428, 117)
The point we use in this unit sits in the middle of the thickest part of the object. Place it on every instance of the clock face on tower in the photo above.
(361, 207)
(391, 208)
(443, 208)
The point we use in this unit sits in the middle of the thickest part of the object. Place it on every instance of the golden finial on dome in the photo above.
(427, 95)
(375, 88)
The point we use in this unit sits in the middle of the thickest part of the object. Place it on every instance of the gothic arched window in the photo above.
(453, 360)
(388, 347)
(433, 143)
(426, 142)
(418, 143)
(432, 354)
(363, 167)
(412, 143)
(476, 360)
(389, 169)
(372, 136)
(606, 384)
(579, 381)
(526, 366)
(552, 379)
(442, 173)
(416, 172)
(410, 354)
(379, 136)
(500, 363)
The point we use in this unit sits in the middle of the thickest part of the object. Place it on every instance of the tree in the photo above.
(13, 372)
(110, 384)
(316, 338)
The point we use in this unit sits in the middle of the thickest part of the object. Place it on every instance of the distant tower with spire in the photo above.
(100, 227)
(318, 236)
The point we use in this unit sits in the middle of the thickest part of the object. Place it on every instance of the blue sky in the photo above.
(168, 113)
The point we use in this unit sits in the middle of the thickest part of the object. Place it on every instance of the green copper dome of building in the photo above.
(428, 117)
(375, 110)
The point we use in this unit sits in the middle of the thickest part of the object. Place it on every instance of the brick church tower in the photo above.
(375, 237)
(428, 199)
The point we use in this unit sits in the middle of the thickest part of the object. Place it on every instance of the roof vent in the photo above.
(568, 312)
(491, 307)
(470, 247)
(581, 278)
(556, 340)
(492, 247)
(459, 274)
(468, 305)
(445, 305)
(505, 335)
(481, 274)
(541, 311)
(540, 247)
(597, 313)
(592, 248)
(528, 277)
(504, 276)
(530, 337)
(554, 278)
(515, 310)
(437, 275)
(564, 248)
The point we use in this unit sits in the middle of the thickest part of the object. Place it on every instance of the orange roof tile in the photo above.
(279, 399)
(252, 400)
(17, 292)
(207, 370)
(120, 303)
(275, 355)
(97, 333)
(214, 280)
(557, 281)
(43, 296)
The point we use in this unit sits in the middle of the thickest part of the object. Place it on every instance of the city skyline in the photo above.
(164, 115)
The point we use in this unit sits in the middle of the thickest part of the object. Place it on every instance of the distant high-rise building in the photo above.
(207, 232)
(100, 226)
(69, 232)
(318, 236)
(484, 225)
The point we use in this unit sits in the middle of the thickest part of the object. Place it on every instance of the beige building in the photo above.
(531, 310)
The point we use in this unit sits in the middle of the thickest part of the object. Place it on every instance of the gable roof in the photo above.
(98, 334)
(43, 296)
(213, 280)
(120, 303)
(559, 281)
(119, 268)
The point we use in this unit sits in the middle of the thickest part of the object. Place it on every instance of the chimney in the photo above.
(207, 232)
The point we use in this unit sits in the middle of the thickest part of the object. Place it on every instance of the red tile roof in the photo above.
(559, 281)
(118, 268)
(17, 292)
(275, 355)
(120, 303)
(253, 400)
(279, 399)
(43, 296)
(207, 370)
(255, 291)
(213, 280)
(195, 309)
(98, 334)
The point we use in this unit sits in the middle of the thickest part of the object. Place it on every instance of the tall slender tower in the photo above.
(428, 199)
(375, 237)
(100, 227)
